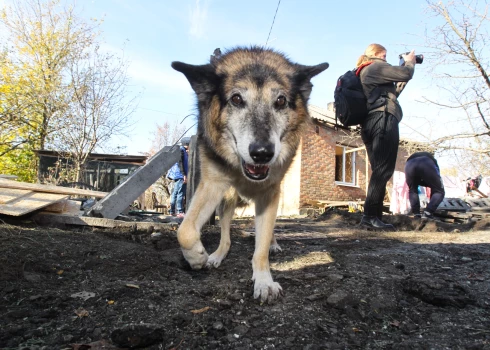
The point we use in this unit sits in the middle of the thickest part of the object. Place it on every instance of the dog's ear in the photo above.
(304, 75)
(203, 78)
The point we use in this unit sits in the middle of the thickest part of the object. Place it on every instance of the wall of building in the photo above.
(318, 166)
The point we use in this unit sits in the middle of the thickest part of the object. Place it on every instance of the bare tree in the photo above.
(99, 107)
(459, 61)
(166, 134)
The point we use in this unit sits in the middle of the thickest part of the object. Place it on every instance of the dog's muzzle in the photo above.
(255, 172)
(261, 153)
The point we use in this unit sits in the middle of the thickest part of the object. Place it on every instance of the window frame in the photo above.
(353, 169)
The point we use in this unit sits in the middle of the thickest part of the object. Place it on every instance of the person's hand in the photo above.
(185, 179)
(410, 57)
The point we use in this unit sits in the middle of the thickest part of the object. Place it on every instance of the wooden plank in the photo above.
(10, 194)
(51, 218)
(66, 207)
(30, 202)
(12, 177)
(58, 207)
(50, 189)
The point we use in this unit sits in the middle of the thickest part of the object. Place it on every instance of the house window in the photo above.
(345, 166)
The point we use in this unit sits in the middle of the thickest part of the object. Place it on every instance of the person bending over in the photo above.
(422, 169)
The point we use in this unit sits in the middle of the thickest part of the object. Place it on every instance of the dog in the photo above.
(252, 105)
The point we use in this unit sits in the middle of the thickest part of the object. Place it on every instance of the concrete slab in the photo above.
(130, 189)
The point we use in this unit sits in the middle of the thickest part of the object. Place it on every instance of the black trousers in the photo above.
(422, 171)
(381, 136)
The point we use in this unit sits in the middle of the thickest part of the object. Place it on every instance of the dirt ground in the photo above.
(344, 288)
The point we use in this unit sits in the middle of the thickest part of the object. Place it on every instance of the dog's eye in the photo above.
(237, 100)
(280, 102)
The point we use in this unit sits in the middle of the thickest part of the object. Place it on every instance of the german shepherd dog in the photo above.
(252, 106)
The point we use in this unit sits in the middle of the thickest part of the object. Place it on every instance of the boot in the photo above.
(427, 215)
(374, 222)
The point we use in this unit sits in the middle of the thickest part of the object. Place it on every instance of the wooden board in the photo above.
(66, 207)
(11, 177)
(8, 195)
(50, 189)
(45, 218)
(30, 202)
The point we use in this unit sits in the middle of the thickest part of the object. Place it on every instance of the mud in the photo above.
(344, 288)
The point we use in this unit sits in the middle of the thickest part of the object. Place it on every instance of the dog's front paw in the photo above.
(196, 256)
(265, 288)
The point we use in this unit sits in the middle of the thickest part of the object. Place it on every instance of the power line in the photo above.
(273, 20)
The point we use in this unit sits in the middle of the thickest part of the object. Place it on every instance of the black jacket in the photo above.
(381, 78)
(423, 154)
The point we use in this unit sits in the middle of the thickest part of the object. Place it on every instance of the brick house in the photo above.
(330, 165)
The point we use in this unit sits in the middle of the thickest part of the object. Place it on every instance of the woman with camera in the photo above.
(382, 83)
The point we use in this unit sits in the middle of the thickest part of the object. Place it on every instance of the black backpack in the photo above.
(350, 101)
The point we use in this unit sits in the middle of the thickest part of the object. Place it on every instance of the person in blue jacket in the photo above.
(178, 173)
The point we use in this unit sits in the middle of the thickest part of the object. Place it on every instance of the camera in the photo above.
(418, 58)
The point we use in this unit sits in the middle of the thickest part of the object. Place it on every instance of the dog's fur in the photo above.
(252, 108)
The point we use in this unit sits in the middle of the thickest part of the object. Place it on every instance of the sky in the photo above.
(151, 34)
(155, 33)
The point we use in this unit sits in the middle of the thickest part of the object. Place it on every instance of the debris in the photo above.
(80, 312)
(218, 325)
(314, 297)
(240, 331)
(156, 236)
(129, 285)
(395, 324)
(439, 292)
(339, 299)
(83, 295)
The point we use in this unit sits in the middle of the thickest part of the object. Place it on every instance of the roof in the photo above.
(322, 114)
(101, 157)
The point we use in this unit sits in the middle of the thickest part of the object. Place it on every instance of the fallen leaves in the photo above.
(200, 311)
(81, 312)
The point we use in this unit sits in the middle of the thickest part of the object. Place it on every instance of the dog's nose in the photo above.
(261, 153)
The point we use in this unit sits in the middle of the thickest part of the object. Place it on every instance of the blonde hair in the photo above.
(369, 53)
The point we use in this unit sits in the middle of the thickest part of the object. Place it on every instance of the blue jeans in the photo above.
(177, 197)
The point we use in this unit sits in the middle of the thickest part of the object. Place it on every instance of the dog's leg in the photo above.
(265, 218)
(225, 216)
(207, 197)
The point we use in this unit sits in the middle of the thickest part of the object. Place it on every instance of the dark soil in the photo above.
(345, 288)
